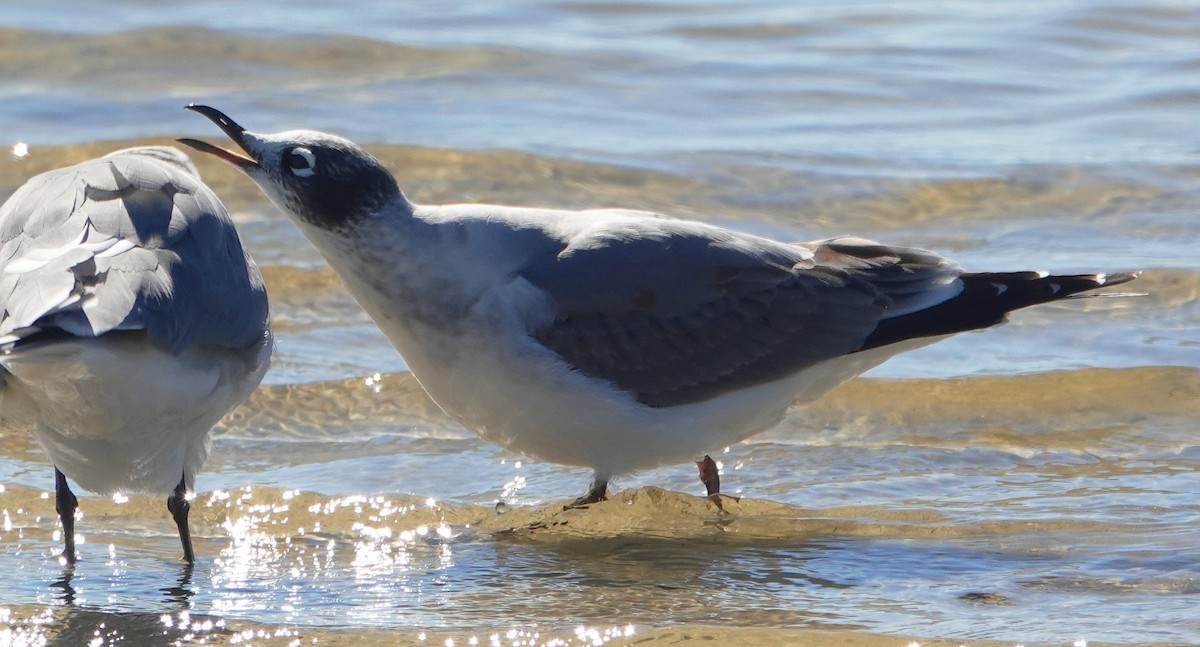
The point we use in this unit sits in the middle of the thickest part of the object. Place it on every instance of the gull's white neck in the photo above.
(421, 274)
(392, 258)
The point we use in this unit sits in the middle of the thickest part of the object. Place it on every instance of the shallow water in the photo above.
(1036, 483)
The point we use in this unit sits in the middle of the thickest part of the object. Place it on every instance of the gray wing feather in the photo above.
(687, 312)
(130, 241)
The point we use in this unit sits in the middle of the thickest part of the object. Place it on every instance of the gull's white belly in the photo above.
(530, 402)
(115, 413)
(487, 372)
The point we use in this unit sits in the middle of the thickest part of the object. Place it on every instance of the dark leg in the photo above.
(179, 506)
(709, 476)
(65, 503)
(596, 493)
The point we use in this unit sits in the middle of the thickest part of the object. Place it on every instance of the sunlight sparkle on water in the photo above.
(24, 632)
(251, 636)
(514, 486)
(38, 630)
(583, 636)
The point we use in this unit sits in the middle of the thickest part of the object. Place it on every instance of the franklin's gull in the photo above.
(613, 339)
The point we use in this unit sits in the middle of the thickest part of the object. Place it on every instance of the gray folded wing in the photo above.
(679, 313)
(129, 241)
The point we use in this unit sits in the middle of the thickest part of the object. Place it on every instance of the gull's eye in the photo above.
(301, 162)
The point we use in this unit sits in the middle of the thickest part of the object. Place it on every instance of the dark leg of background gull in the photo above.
(179, 506)
(65, 504)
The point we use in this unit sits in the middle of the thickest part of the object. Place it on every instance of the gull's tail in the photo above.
(986, 299)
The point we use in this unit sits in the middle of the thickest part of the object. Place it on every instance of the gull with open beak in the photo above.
(614, 339)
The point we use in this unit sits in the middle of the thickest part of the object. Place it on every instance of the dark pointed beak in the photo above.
(232, 129)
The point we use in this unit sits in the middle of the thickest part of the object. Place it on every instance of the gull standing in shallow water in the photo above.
(131, 321)
(613, 339)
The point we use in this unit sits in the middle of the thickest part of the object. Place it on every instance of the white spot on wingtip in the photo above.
(1102, 278)
(1041, 274)
(1000, 288)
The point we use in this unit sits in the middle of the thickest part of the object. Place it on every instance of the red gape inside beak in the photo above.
(231, 128)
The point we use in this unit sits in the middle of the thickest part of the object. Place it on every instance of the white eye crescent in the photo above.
(301, 162)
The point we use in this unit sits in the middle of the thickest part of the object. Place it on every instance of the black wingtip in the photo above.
(1117, 278)
(987, 298)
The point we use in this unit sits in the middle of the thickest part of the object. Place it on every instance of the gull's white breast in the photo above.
(118, 414)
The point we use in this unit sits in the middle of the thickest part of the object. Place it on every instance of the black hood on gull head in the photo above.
(323, 180)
